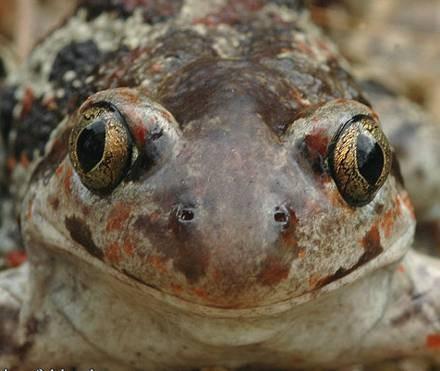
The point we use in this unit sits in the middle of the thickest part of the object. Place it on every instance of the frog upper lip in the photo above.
(391, 255)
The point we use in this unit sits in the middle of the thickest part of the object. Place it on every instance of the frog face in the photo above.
(220, 191)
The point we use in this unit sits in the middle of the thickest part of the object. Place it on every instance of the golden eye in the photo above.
(100, 147)
(359, 159)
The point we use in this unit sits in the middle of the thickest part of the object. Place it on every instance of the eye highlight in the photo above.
(359, 159)
(100, 147)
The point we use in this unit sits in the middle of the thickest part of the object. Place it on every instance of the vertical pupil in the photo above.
(370, 159)
(90, 145)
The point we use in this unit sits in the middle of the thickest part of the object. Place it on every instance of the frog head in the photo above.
(220, 190)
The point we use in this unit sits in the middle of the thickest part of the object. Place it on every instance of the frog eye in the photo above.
(359, 159)
(100, 147)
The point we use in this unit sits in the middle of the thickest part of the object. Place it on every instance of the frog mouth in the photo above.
(56, 241)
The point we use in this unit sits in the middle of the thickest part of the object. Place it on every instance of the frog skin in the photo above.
(191, 194)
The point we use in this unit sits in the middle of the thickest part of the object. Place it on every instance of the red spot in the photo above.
(113, 253)
(433, 341)
(273, 272)
(317, 141)
(118, 216)
(401, 268)
(28, 99)
(389, 219)
(140, 133)
(15, 258)
(68, 180)
(371, 243)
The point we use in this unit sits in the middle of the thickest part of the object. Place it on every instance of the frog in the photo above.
(204, 184)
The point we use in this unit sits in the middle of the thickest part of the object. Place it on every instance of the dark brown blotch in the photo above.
(81, 233)
(177, 241)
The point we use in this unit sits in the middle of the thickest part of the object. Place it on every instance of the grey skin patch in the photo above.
(80, 233)
(372, 248)
(9, 319)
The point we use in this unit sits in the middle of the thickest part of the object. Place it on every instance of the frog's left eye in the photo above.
(359, 159)
(100, 147)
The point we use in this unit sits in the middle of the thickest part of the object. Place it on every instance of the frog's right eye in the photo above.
(100, 147)
(359, 159)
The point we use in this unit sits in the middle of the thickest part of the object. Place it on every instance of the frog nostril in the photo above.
(281, 215)
(185, 215)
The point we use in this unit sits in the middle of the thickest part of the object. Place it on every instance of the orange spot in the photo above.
(15, 258)
(156, 67)
(118, 216)
(68, 180)
(433, 341)
(408, 204)
(113, 253)
(401, 268)
(177, 289)
(313, 280)
(129, 247)
(201, 293)
(387, 223)
(301, 253)
(59, 170)
(157, 262)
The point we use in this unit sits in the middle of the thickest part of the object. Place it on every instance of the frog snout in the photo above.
(224, 251)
